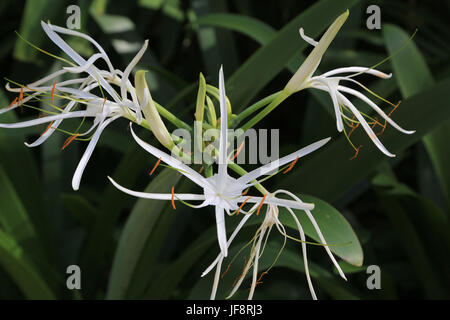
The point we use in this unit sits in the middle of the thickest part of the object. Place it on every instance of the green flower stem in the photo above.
(280, 97)
(254, 107)
(166, 114)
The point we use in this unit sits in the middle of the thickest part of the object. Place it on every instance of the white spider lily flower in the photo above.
(270, 219)
(330, 82)
(101, 109)
(221, 190)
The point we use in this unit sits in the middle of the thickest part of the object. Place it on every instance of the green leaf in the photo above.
(412, 80)
(16, 263)
(136, 232)
(254, 28)
(270, 59)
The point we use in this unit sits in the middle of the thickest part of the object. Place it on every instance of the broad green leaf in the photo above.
(412, 80)
(270, 59)
(253, 28)
(15, 261)
(335, 228)
(136, 232)
(414, 247)
(80, 208)
(34, 12)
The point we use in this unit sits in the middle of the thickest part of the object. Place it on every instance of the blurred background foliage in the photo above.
(398, 208)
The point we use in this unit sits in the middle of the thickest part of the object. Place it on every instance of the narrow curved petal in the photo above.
(173, 162)
(85, 66)
(376, 108)
(365, 125)
(279, 202)
(305, 257)
(87, 154)
(332, 90)
(230, 240)
(50, 130)
(34, 122)
(310, 40)
(92, 70)
(370, 71)
(159, 196)
(254, 174)
(221, 231)
(128, 69)
(88, 38)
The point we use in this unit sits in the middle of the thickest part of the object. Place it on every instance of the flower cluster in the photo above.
(224, 192)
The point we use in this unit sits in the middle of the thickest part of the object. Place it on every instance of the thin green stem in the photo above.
(255, 107)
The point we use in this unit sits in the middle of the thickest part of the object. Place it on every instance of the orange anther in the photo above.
(353, 129)
(245, 191)
(243, 203)
(261, 204)
(173, 198)
(356, 153)
(291, 166)
(48, 128)
(238, 151)
(225, 272)
(156, 165)
(14, 101)
(53, 92)
(69, 141)
(20, 96)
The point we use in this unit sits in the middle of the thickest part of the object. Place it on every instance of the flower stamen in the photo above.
(261, 204)
(69, 141)
(173, 196)
(242, 205)
(291, 166)
(156, 165)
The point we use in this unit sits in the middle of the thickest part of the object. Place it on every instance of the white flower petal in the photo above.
(173, 162)
(376, 108)
(254, 174)
(87, 154)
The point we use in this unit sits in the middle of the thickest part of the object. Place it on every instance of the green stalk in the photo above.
(254, 107)
(280, 97)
